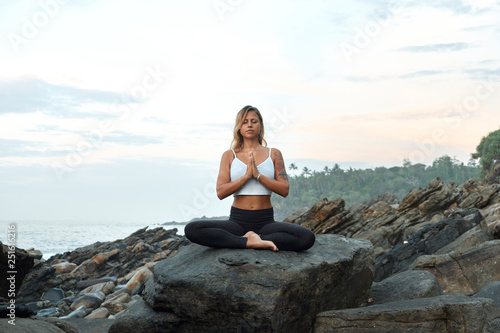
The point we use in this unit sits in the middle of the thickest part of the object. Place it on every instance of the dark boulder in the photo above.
(13, 259)
(405, 285)
(225, 290)
(468, 270)
(427, 240)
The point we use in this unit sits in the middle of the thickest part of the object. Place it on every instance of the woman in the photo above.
(251, 171)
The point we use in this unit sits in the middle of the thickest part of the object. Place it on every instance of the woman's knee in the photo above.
(190, 230)
(307, 240)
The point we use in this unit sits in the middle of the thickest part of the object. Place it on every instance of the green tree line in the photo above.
(356, 186)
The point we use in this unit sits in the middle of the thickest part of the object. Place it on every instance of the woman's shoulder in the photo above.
(275, 154)
(274, 151)
(228, 154)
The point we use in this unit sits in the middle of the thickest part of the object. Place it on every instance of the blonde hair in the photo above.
(240, 118)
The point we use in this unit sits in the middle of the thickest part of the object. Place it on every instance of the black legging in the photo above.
(227, 234)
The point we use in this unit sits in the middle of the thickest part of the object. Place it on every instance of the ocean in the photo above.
(52, 237)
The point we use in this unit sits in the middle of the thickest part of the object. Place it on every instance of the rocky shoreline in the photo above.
(96, 281)
(434, 253)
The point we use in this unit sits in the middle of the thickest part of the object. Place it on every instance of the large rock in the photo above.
(467, 271)
(418, 196)
(318, 214)
(426, 241)
(475, 236)
(13, 259)
(478, 195)
(226, 290)
(405, 285)
(452, 314)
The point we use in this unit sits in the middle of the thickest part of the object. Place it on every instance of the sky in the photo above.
(121, 110)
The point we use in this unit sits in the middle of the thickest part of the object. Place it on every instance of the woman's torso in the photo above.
(253, 202)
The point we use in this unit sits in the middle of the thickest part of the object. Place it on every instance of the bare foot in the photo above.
(255, 242)
(249, 233)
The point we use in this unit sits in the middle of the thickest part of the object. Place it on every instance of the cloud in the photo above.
(466, 7)
(422, 73)
(490, 74)
(29, 95)
(480, 28)
(123, 138)
(411, 75)
(400, 115)
(443, 47)
(21, 148)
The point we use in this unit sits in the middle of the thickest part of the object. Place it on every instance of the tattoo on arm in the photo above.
(280, 167)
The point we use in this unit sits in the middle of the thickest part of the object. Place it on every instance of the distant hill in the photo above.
(198, 219)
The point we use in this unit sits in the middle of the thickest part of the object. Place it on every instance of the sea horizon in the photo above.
(59, 236)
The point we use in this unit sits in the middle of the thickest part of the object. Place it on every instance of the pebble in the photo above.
(87, 283)
(101, 312)
(78, 313)
(53, 295)
(64, 267)
(90, 301)
(36, 254)
(130, 275)
(50, 312)
(150, 265)
(35, 306)
(115, 306)
(136, 283)
(105, 287)
(123, 297)
(65, 304)
(161, 255)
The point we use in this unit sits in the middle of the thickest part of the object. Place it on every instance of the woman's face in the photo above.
(251, 125)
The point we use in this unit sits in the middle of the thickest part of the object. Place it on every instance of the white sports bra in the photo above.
(252, 186)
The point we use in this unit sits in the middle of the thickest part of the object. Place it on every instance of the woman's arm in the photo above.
(279, 185)
(226, 187)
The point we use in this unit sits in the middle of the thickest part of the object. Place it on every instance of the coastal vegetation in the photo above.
(488, 153)
(356, 186)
